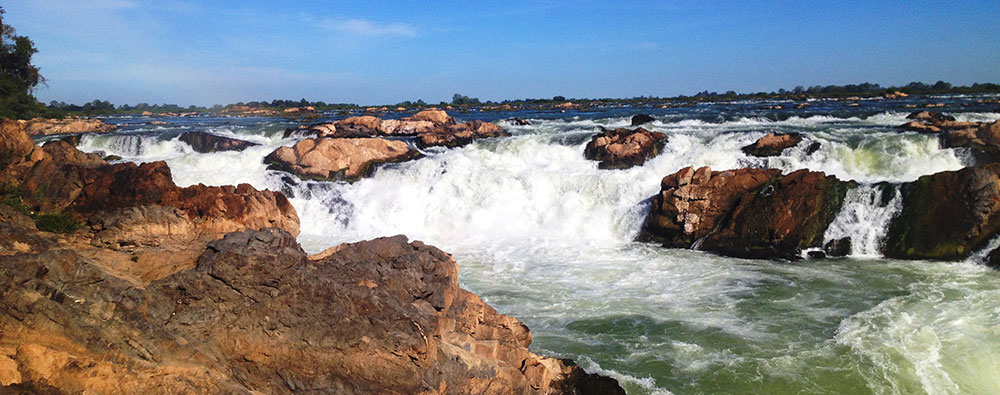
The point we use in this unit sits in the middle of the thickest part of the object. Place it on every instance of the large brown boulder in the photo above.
(946, 215)
(255, 315)
(398, 127)
(983, 140)
(750, 213)
(338, 159)
(459, 135)
(773, 144)
(44, 127)
(435, 116)
(363, 126)
(692, 203)
(622, 148)
(782, 219)
(206, 142)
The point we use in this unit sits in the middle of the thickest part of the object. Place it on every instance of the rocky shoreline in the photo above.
(147, 286)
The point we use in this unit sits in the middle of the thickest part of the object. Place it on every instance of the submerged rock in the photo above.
(622, 148)
(838, 248)
(748, 213)
(338, 159)
(45, 127)
(946, 215)
(773, 144)
(640, 119)
(206, 142)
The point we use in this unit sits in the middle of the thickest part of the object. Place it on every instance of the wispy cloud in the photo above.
(366, 27)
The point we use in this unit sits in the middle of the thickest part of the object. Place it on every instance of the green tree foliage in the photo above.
(18, 77)
(459, 99)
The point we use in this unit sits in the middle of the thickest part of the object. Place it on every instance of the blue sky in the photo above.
(217, 52)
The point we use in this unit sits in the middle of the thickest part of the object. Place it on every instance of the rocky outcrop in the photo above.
(984, 141)
(338, 159)
(749, 213)
(254, 315)
(930, 116)
(459, 135)
(622, 148)
(773, 144)
(206, 142)
(133, 208)
(45, 127)
(693, 203)
(431, 128)
(935, 122)
(434, 116)
(946, 215)
(641, 119)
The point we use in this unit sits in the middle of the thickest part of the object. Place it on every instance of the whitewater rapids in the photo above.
(543, 235)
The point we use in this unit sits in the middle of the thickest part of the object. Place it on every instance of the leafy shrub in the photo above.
(56, 223)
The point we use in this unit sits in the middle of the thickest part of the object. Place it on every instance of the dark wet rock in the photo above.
(814, 254)
(838, 248)
(773, 144)
(519, 121)
(641, 119)
(993, 259)
(749, 213)
(947, 215)
(623, 148)
(338, 159)
(206, 142)
(812, 148)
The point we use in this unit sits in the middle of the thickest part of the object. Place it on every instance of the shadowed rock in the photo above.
(206, 142)
(640, 119)
(946, 215)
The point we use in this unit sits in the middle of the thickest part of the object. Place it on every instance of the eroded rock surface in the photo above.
(751, 213)
(622, 148)
(338, 159)
(256, 315)
(44, 127)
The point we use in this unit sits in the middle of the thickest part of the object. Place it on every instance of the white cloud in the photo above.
(366, 27)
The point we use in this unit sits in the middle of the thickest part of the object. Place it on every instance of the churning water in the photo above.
(543, 235)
